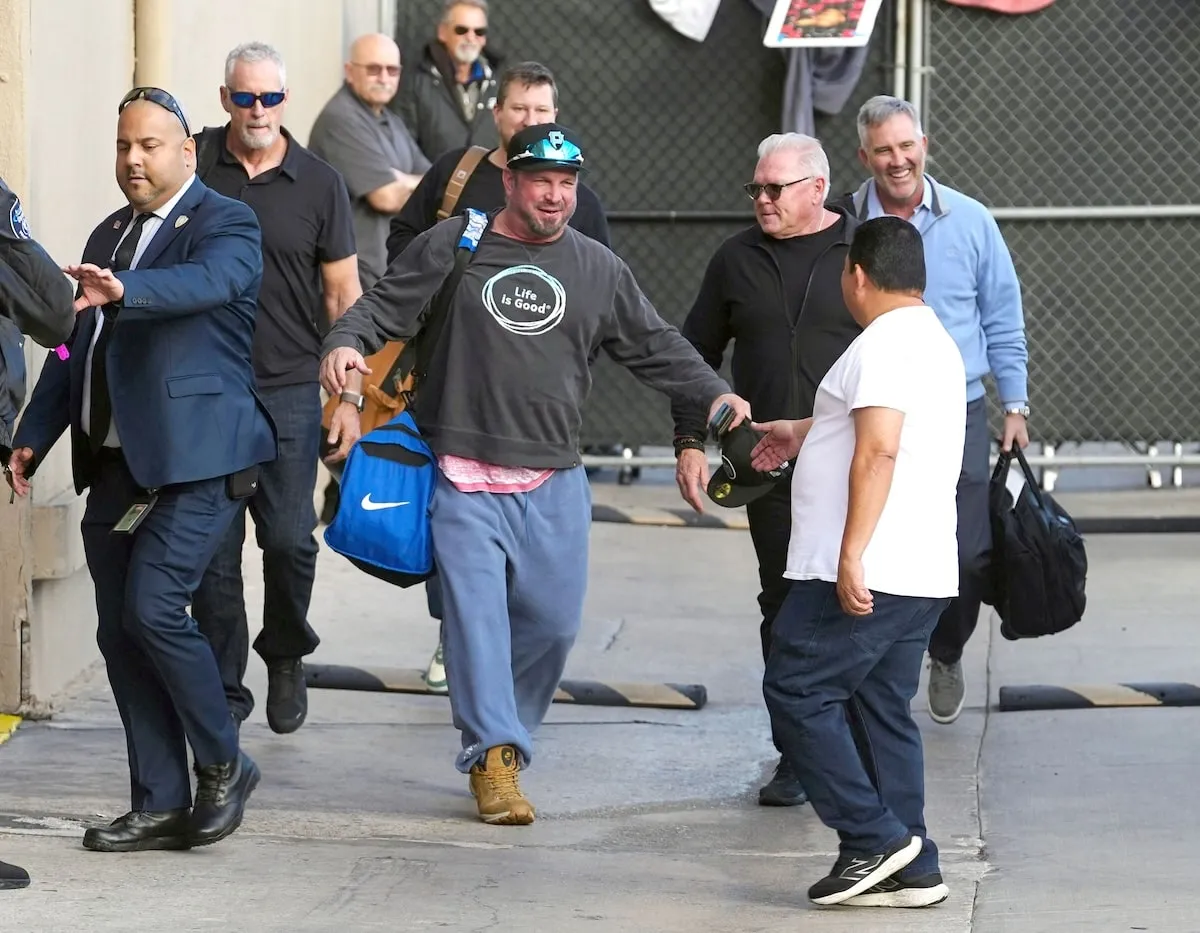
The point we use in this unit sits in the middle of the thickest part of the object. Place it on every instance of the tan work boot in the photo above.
(497, 788)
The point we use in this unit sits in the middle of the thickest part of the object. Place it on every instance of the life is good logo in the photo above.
(525, 300)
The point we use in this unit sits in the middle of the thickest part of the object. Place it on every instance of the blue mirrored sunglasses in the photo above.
(245, 99)
(561, 150)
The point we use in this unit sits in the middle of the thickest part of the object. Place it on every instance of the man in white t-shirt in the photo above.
(874, 560)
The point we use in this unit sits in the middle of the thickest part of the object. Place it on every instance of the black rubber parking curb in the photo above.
(733, 519)
(580, 692)
(1096, 696)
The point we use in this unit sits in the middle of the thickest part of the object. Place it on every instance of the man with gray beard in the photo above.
(447, 99)
(310, 273)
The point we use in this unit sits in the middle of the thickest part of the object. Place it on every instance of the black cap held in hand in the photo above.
(736, 483)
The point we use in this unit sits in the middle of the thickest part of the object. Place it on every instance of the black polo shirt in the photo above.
(303, 209)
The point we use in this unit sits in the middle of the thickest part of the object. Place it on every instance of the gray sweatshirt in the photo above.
(508, 379)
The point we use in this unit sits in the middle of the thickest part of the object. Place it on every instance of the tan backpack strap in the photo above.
(458, 179)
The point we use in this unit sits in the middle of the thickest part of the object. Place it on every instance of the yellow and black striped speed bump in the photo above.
(580, 692)
(1097, 696)
(734, 519)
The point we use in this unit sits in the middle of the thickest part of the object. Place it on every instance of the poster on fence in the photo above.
(799, 23)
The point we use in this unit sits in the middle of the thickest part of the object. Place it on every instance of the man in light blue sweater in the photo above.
(973, 287)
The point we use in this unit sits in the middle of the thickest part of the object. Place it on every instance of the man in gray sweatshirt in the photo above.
(501, 407)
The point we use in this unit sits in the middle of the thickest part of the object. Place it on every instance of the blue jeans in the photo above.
(284, 521)
(513, 568)
(838, 689)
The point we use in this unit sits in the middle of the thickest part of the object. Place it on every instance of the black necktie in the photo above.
(101, 407)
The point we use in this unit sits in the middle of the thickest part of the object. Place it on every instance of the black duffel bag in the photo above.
(1038, 560)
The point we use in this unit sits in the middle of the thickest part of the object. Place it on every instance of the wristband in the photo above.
(683, 443)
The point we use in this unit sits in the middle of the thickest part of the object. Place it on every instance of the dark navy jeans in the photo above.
(284, 521)
(838, 689)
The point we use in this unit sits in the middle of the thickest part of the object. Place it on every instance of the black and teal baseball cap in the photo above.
(545, 145)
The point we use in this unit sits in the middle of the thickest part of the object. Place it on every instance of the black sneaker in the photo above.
(917, 891)
(784, 789)
(855, 874)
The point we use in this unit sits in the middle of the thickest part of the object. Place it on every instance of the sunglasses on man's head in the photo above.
(155, 95)
(480, 31)
(773, 190)
(246, 100)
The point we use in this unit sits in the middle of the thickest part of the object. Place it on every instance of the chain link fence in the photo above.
(669, 124)
(1085, 104)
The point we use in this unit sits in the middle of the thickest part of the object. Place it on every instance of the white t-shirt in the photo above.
(904, 360)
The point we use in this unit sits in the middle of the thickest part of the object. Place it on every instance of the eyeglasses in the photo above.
(376, 70)
(155, 95)
(480, 31)
(246, 100)
(754, 189)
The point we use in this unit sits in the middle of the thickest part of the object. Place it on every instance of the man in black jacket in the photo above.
(775, 290)
(35, 299)
(445, 101)
(526, 96)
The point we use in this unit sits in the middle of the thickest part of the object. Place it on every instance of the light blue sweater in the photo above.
(971, 284)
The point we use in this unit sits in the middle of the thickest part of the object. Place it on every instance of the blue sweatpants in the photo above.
(513, 570)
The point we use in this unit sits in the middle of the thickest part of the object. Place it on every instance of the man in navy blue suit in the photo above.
(167, 432)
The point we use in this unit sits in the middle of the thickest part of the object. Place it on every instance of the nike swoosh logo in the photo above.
(370, 506)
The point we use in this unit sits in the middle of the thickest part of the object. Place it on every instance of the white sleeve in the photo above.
(881, 375)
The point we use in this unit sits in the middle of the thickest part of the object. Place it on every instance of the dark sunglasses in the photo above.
(376, 70)
(480, 31)
(754, 189)
(155, 95)
(246, 100)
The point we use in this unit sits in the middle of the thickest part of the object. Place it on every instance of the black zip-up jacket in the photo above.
(428, 103)
(777, 366)
(35, 299)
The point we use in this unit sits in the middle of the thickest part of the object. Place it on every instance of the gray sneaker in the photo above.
(946, 691)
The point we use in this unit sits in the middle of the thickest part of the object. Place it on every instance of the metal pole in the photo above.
(1057, 460)
(900, 54)
(1107, 212)
(916, 72)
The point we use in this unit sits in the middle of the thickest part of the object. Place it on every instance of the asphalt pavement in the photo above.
(647, 818)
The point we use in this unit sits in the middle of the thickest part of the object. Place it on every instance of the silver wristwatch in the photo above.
(1022, 410)
(354, 399)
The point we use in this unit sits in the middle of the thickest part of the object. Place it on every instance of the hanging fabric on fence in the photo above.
(1014, 7)
(818, 79)
(691, 18)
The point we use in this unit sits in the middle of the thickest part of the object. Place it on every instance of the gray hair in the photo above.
(251, 53)
(451, 4)
(808, 151)
(882, 108)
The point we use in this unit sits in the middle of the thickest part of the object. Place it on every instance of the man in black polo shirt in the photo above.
(310, 270)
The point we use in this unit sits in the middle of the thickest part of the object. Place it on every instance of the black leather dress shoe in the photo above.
(287, 695)
(221, 795)
(784, 789)
(140, 830)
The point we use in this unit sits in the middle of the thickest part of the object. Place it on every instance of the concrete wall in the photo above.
(57, 126)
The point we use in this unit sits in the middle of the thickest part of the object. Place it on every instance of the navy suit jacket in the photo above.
(179, 372)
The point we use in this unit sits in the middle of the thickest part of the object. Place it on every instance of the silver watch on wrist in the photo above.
(355, 399)
(1022, 410)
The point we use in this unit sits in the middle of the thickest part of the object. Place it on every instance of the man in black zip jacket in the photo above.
(775, 290)
(35, 299)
